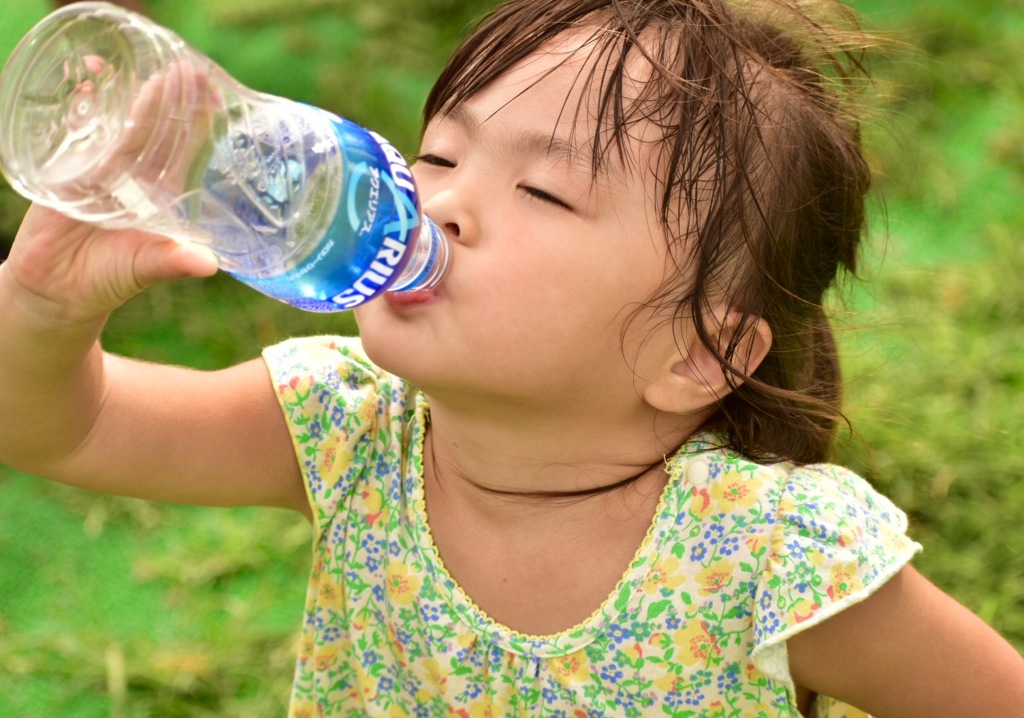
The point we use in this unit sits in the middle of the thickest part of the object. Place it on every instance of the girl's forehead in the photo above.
(580, 83)
(585, 58)
(561, 65)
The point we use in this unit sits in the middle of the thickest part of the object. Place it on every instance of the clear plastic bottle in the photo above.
(112, 119)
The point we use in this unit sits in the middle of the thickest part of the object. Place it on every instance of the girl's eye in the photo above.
(430, 159)
(543, 196)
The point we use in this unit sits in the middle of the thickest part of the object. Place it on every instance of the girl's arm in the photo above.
(911, 650)
(73, 413)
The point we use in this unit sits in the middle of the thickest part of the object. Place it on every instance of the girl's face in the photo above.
(547, 262)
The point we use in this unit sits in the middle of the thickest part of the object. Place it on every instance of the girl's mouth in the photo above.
(404, 300)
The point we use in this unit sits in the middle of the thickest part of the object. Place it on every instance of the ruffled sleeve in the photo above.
(328, 391)
(836, 540)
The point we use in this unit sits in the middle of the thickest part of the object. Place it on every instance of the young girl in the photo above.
(585, 476)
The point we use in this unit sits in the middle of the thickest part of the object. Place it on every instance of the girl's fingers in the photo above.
(187, 260)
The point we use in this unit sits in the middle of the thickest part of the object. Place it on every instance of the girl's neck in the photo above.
(511, 467)
(519, 558)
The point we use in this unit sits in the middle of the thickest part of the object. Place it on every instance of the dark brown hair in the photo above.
(762, 175)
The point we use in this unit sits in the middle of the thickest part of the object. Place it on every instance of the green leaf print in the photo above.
(622, 600)
(657, 608)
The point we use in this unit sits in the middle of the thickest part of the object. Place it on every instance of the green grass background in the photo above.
(120, 608)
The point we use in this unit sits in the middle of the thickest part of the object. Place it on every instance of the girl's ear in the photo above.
(690, 379)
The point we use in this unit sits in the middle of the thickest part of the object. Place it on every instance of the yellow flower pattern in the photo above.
(716, 577)
(666, 575)
(571, 669)
(736, 492)
(696, 645)
(402, 587)
(739, 557)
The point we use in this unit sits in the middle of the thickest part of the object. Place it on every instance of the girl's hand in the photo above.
(73, 271)
(65, 271)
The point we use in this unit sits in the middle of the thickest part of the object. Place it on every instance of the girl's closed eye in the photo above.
(539, 194)
(431, 159)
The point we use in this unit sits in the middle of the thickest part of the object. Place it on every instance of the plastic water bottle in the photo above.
(111, 119)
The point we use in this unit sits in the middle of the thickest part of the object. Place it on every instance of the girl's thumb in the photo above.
(192, 260)
(169, 259)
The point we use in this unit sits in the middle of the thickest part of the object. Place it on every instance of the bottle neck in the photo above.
(428, 262)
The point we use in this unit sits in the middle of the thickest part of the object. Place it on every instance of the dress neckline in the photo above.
(569, 640)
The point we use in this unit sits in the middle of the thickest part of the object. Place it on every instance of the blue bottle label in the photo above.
(364, 248)
(390, 219)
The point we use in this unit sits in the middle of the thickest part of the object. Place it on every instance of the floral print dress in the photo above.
(739, 557)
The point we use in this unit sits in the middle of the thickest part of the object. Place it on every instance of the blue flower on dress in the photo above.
(316, 620)
(693, 697)
(674, 699)
(476, 658)
(430, 613)
(619, 633)
(337, 533)
(730, 545)
(699, 551)
(353, 381)
(611, 673)
(714, 533)
(331, 634)
(626, 701)
(821, 532)
(316, 484)
(729, 678)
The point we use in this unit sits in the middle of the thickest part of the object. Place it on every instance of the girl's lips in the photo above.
(404, 300)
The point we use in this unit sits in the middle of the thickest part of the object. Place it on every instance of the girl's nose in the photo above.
(451, 210)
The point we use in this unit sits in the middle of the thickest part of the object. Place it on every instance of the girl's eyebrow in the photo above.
(573, 154)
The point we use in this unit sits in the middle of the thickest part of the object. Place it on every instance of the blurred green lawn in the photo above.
(120, 608)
